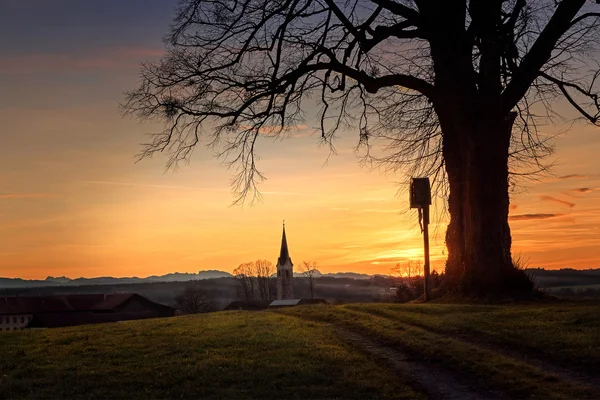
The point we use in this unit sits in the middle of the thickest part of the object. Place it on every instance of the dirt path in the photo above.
(436, 382)
(562, 372)
(427, 377)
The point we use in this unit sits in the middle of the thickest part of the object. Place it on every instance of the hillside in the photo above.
(51, 281)
(354, 351)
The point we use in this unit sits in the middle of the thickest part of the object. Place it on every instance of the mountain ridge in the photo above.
(543, 277)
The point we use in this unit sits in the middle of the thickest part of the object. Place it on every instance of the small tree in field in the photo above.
(245, 275)
(454, 89)
(309, 273)
(408, 272)
(408, 269)
(194, 300)
(264, 270)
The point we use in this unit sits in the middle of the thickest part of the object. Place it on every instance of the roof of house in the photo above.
(113, 301)
(283, 303)
(29, 305)
(65, 303)
(296, 302)
(62, 319)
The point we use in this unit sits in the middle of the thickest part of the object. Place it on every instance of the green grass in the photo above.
(300, 353)
(221, 355)
(568, 330)
(567, 333)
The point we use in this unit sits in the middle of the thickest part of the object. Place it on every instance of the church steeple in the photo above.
(284, 253)
(285, 271)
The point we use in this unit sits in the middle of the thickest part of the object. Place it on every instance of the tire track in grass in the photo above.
(564, 373)
(486, 373)
(437, 382)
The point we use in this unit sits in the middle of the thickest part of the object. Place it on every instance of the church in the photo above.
(285, 285)
(285, 271)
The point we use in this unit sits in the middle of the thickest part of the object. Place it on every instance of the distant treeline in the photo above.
(546, 278)
(222, 291)
(379, 288)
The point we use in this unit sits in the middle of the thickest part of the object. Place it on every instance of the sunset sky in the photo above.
(74, 203)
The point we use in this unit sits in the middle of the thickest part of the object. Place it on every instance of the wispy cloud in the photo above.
(557, 201)
(572, 176)
(522, 217)
(25, 195)
(198, 188)
(583, 190)
(148, 185)
(108, 58)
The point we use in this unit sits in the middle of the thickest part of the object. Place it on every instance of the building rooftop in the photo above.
(65, 303)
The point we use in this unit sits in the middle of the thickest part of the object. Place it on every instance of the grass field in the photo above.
(525, 351)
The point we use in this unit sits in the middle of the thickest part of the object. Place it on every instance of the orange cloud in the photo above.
(25, 195)
(522, 217)
(583, 190)
(572, 176)
(557, 201)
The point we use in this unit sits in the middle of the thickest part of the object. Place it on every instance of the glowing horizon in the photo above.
(73, 202)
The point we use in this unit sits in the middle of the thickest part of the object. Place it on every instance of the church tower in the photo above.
(285, 272)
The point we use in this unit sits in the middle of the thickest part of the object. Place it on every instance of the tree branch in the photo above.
(562, 85)
(399, 9)
(540, 52)
(584, 16)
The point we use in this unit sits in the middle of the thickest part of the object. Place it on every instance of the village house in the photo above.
(18, 312)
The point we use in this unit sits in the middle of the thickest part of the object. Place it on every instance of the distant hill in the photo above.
(351, 275)
(542, 277)
(545, 278)
(8, 283)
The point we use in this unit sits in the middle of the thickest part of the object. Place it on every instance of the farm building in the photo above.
(56, 311)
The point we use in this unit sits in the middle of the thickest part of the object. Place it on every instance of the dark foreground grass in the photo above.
(474, 360)
(227, 355)
(299, 353)
(564, 333)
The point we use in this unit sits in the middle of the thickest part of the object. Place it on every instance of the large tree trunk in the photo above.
(478, 236)
(476, 139)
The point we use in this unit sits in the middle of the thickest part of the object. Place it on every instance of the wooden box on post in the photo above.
(420, 193)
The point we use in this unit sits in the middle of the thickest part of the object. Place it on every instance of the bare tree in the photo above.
(245, 275)
(453, 89)
(194, 300)
(309, 273)
(408, 270)
(264, 272)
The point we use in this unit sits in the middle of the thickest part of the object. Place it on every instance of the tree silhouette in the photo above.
(309, 272)
(455, 88)
(408, 269)
(264, 270)
(245, 274)
(194, 300)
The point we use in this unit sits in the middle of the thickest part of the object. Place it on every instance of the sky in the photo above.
(74, 203)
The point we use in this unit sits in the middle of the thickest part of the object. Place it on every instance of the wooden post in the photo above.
(420, 198)
(427, 292)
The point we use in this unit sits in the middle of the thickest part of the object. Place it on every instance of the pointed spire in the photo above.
(284, 254)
